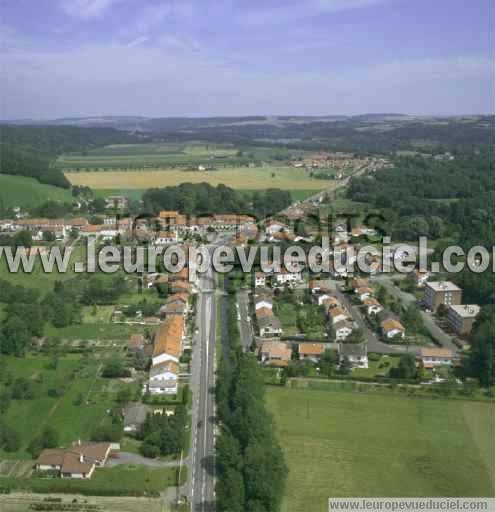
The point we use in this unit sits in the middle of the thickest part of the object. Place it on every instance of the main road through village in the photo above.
(200, 487)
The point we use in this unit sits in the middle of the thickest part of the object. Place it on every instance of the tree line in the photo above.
(203, 198)
(250, 463)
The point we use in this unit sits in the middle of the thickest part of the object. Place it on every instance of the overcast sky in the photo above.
(64, 58)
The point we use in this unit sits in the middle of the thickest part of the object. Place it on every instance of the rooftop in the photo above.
(443, 286)
(466, 310)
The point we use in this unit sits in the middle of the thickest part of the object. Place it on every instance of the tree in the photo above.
(49, 438)
(356, 336)
(412, 319)
(49, 236)
(115, 369)
(22, 389)
(481, 361)
(9, 438)
(22, 239)
(345, 366)
(406, 368)
(328, 362)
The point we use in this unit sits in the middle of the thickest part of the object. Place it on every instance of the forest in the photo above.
(203, 198)
(31, 150)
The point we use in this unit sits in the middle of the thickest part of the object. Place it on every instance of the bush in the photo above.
(115, 369)
(9, 439)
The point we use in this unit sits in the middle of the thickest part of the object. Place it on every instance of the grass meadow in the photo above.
(125, 480)
(39, 279)
(259, 178)
(29, 193)
(347, 444)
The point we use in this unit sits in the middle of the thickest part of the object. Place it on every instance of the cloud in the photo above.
(138, 41)
(297, 11)
(153, 81)
(86, 9)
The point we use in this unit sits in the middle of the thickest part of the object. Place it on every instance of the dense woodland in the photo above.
(453, 200)
(361, 134)
(203, 198)
(31, 150)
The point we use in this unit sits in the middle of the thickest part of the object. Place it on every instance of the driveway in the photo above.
(139, 460)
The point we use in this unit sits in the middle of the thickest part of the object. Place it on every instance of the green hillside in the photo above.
(27, 192)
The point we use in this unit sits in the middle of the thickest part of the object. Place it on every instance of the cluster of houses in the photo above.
(78, 461)
(341, 162)
(278, 354)
(171, 226)
(338, 317)
(391, 327)
(166, 228)
(168, 345)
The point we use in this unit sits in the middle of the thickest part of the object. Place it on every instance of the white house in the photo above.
(285, 277)
(259, 279)
(164, 378)
(364, 293)
(322, 298)
(268, 324)
(355, 353)
(343, 330)
(373, 307)
(109, 232)
(337, 315)
(393, 329)
(275, 227)
(434, 357)
(166, 237)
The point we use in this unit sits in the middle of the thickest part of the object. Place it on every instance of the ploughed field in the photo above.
(349, 444)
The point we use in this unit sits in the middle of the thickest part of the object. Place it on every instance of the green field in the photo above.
(258, 178)
(77, 376)
(38, 278)
(121, 480)
(159, 155)
(29, 193)
(346, 444)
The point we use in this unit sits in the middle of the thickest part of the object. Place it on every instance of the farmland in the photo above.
(165, 155)
(135, 167)
(261, 178)
(27, 192)
(349, 444)
(73, 376)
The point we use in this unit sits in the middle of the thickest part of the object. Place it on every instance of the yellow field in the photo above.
(286, 178)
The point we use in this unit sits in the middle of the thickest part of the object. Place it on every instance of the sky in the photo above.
(157, 58)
